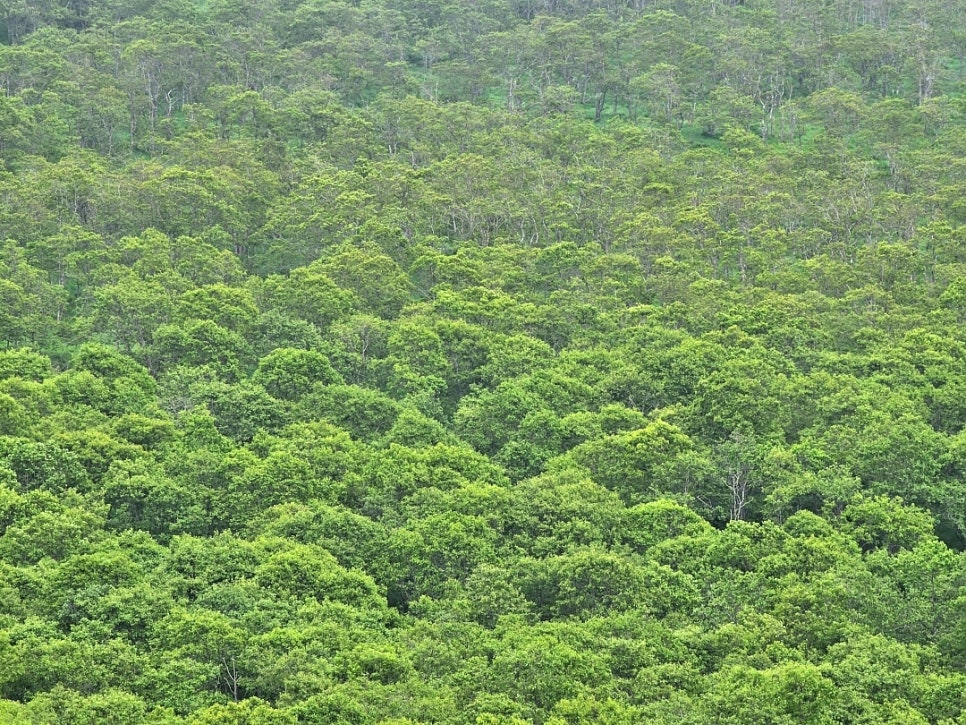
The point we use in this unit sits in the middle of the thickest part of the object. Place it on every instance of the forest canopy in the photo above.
(482, 362)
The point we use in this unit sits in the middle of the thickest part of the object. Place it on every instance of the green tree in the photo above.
(290, 374)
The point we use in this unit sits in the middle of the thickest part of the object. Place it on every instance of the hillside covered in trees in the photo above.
(485, 362)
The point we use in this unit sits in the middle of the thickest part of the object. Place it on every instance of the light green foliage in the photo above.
(229, 307)
(24, 363)
(539, 670)
(201, 342)
(381, 286)
(556, 511)
(240, 410)
(647, 524)
(142, 496)
(46, 466)
(529, 363)
(250, 711)
(364, 412)
(14, 420)
(643, 463)
(882, 523)
(303, 571)
(289, 374)
(356, 541)
(309, 295)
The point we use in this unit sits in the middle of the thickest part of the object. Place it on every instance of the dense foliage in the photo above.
(541, 361)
